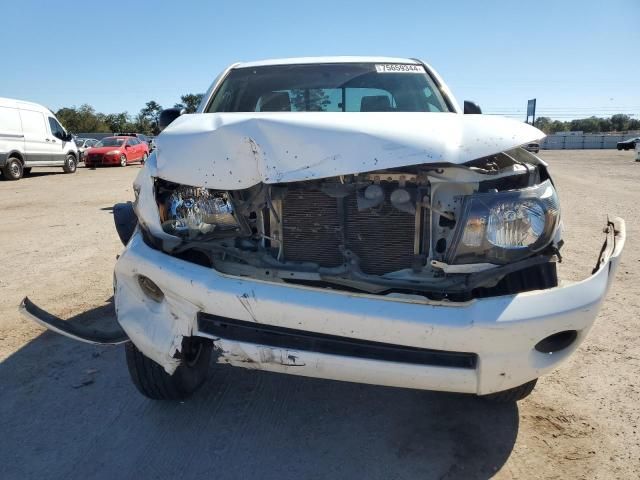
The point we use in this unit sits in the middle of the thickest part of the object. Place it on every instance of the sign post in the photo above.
(531, 111)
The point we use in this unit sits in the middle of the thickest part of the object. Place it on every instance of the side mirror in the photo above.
(168, 115)
(471, 108)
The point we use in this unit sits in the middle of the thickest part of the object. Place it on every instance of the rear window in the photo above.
(110, 142)
(341, 87)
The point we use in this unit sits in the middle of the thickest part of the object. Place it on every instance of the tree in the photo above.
(604, 125)
(543, 123)
(190, 102)
(620, 122)
(558, 126)
(586, 125)
(143, 124)
(117, 122)
(634, 124)
(309, 100)
(147, 120)
(151, 111)
(81, 119)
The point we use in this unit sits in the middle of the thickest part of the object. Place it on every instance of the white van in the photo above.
(31, 136)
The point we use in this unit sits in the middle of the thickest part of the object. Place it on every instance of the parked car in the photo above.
(377, 235)
(84, 143)
(532, 147)
(31, 136)
(628, 144)
(116, 151)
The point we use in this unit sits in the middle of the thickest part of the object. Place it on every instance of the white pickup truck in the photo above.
(344, 218)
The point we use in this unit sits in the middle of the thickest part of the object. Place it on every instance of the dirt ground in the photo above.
(68, 410)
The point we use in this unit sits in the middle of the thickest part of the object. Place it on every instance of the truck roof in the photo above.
(337, 59)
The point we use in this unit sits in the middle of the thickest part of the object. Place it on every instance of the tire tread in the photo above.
(154, 382)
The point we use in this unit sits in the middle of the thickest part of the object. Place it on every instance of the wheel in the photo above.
(144, 158)
(153, 382)
(70, 164)
(13, 169)
(123, 160)
(619, 147)
(514, 394)
(26, 171)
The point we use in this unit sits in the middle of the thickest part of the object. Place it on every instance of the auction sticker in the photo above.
(399, 68)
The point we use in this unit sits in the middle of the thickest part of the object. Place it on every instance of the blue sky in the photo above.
(576, 57)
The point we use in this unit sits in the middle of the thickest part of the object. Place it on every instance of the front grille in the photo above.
(382, 238)
(302, 340)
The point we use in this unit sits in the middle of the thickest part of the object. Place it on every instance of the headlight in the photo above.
(503, 227)
(112, 152)
(192, 212)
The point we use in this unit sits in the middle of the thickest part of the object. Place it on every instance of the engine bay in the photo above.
(393, 230)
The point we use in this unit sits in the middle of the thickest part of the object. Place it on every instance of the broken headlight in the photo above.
(192, 212)
(503, 227)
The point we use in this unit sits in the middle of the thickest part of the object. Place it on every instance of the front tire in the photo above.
(70, 164)
(514, 394)
(123, 160)
(13, 169)
(155, 383)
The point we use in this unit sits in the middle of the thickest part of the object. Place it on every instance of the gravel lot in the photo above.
(68, 410)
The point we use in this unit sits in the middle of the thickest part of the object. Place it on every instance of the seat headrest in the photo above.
(275, 102)
(375, 103)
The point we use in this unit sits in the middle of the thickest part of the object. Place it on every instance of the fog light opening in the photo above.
(556, 342)
(150, 289)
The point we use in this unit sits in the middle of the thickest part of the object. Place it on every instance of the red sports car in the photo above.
(116, 151)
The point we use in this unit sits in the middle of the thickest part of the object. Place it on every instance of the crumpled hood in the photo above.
(238, 150)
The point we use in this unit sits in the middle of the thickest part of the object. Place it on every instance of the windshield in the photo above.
(339, 87)
(110, 142)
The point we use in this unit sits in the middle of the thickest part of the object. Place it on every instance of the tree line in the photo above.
(616, 123)
(85, 118)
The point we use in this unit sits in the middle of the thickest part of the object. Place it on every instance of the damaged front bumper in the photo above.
(74, 330)
(480, 346)
(394, 340)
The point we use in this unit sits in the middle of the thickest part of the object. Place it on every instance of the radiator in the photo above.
(382, 238)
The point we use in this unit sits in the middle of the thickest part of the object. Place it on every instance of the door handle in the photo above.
(47, 140)
(53, 141)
